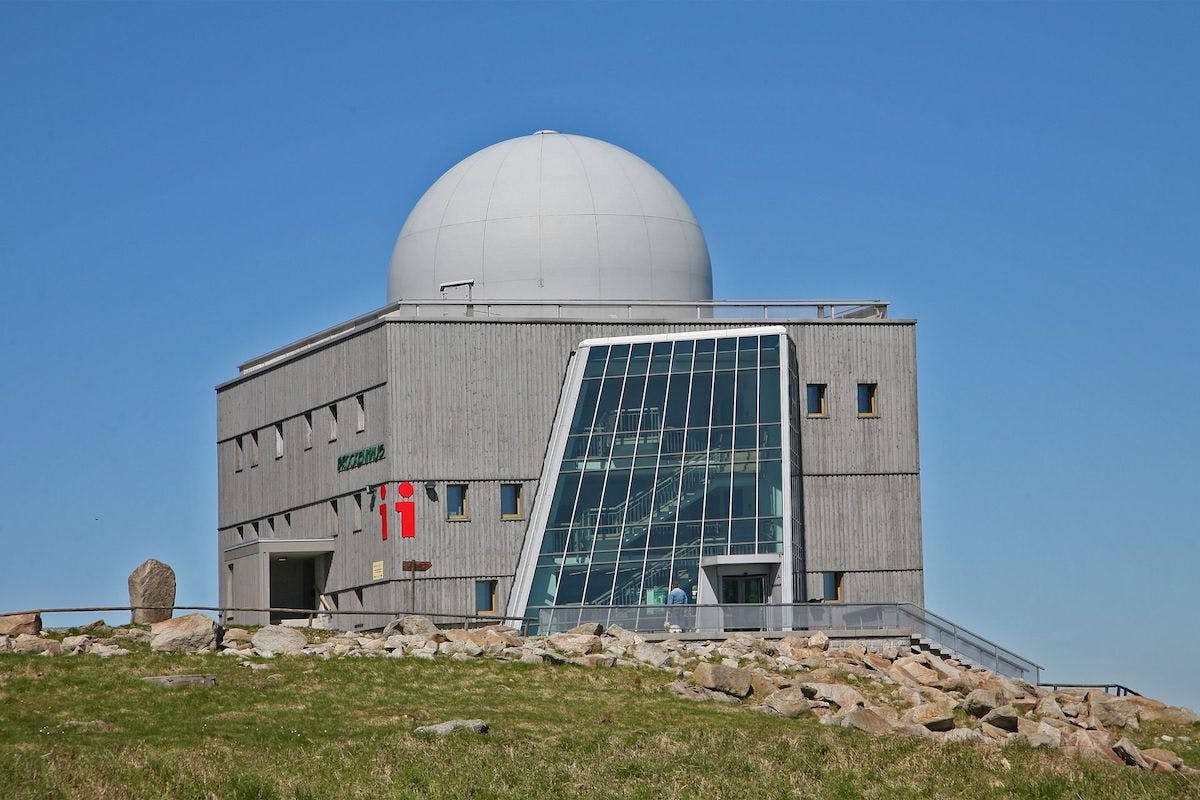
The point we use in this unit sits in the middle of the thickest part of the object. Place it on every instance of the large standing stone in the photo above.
(183, 634)
(16, 624)
(151, 584)
(279, 639)
(721, 678)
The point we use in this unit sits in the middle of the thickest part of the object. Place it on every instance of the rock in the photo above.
(903, 671)
(176, 681)
(1024, 705)
(95, 626)
(1049, 707)
(183, 634)
(234, 636)
(444, 728)
(587, 629)
(982, 701)
(651, 654)
(933, 716)
(1003, 717)
(865, 719)
(819, 640)
(5, 644)
(107, 651)
(722, 678)
(1179, 715)
(1039, 734)
(27, 644)
(1129, 753)
(951, 675)
(992, 732)
(274, 639)
(16, 624)
(75, 643)
(575, 644)
(1165, 756)
(763, 685)
(151, 584)
(788, 703)
(846, 697)
(1094, 745)
(1113, 712)
(962, 736)
(625, 637)
(690, 692)
(411, 625)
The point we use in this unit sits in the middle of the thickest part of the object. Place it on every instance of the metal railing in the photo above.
(715, 619)
(596, 310)
(1117, 689)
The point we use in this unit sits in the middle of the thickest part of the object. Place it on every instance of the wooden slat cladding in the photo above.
(862, 522)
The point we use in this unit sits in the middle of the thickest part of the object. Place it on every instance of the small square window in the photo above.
(456, 501)
(510, 501)
(831, 589)
(360, 404)
(485, 597)
(815, 400)
(866, 400)
(333, 431)
(278, 440)
(307, 430)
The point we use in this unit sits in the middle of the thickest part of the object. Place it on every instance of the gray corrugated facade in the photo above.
(459, 400)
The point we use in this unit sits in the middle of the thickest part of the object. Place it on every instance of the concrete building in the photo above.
(556, 409)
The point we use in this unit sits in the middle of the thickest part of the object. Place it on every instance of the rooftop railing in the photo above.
(593, 310)
(723, 618)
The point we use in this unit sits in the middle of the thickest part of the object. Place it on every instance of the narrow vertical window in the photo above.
(278, 440)
(269, 524)
(360, 408)
(456, 501)
(254, 526)
(333, 423)
(254, 448)
(307, 431)
(815, 400)
(510, 501)
(866, 400)
(241, 531)
(485, 597)
(831, 590)
(239, 455)
(357, 513)
(287, 522)
(334, 525)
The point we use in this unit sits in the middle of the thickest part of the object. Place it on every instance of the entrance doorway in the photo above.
(297, 581)
(743, 589)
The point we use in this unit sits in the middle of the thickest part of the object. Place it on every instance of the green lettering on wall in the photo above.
(360, 458)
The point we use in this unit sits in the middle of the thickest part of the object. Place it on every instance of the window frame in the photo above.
(494, 590)
(824, 403)
(465, 503)
(278, 440)
(253, 449)
(838, 584)
(308, 430)
(360, 422)
(239, 454)
(873, 396)
(520, 500)
(333, 422)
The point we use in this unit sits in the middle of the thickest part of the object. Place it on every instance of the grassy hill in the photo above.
(82, 727)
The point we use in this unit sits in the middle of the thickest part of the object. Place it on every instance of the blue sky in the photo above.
(187, 186)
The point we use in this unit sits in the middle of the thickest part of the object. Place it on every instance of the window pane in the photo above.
(722, 397)
(768, 351)
(545, 585)
(599, 588)
(570, 584)
(815, 405)
(639, 358)
(456, 500)
(677, 401)
(660, 358)
(681, 358)
(510, 499)
(701, 401)
(595, 362)
(585, 405)
(768, 396)
(485, 596)
(618, 358)
(866, 398)
(727, 353)
(747, 397)
(564, 500)
(704, 355)
(770, 489)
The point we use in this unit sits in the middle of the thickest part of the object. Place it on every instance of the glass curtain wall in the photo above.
(673, 453)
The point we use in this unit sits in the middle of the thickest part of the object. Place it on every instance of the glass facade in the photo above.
(674, 451)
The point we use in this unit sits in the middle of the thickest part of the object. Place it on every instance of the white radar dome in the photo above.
(551, 216)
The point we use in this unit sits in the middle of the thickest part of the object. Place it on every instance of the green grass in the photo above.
(80, 727)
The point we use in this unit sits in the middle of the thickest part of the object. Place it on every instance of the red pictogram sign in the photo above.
(406, 508)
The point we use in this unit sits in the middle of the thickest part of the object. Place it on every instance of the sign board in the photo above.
(417, 566)
(376, 570)
(360, 458)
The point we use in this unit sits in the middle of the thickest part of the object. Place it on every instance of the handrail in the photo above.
(824, 309)
(958, 627)
(310, 612)
(1119, 690)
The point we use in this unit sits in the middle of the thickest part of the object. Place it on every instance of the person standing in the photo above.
(677, 597)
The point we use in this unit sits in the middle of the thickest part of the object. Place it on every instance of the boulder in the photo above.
(76, 644)
(1130, 754)
(5, 644)
(1113, 712)
(151, 584)
(411, 625)
(587, 629)
(1094, 745)
(233, 636)
(1049, 707)
(722, 678)
(1004, 717)
(16, 624)
(788, 703)
(865, 719)
(982, 701)
(903, 671)
(992, 732)
(846, 697)
(28, 644)
(933, 716)
(575, 644)
(819, 640)
(444, 728)
(184, 634)
(625, 637)
(107, 650)
(274, 639)
(962, 736)
(1039, 734)
(650, 654)
(690, 692)
(1165, 756)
